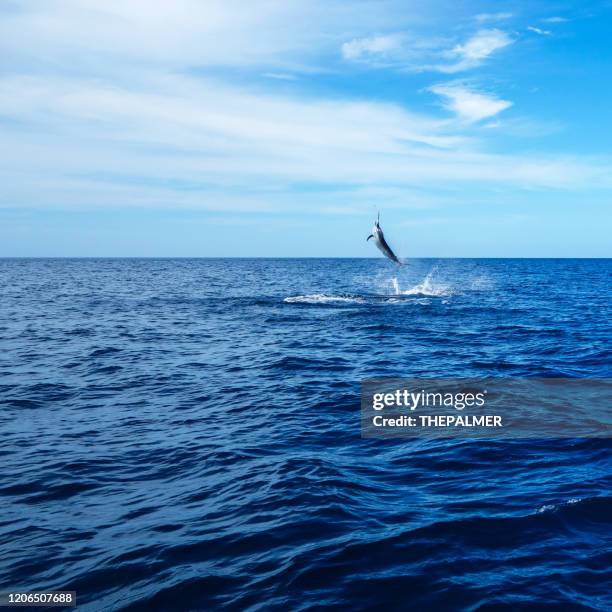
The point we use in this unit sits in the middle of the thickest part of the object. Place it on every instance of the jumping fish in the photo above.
(381, 243)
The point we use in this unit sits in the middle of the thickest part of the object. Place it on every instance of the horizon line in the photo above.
(291, 257)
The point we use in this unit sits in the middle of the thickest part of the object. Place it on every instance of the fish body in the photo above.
(381, 243)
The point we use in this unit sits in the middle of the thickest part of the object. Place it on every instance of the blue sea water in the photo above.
(184, 435)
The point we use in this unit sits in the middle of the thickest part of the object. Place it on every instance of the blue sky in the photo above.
(280, 127)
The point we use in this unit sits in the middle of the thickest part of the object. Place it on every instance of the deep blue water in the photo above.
(184, 435)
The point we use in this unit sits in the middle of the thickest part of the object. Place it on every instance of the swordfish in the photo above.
(381, 243)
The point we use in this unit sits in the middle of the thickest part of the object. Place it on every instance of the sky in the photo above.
(280, 128)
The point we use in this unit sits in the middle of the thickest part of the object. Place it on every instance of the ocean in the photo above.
(184, 434)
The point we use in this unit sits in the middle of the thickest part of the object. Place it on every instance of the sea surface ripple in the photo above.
(184, 435)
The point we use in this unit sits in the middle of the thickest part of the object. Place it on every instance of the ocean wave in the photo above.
(558, 506)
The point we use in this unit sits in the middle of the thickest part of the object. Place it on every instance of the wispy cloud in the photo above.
(374, 46)
(115, 105)
(182, 141)
(280, 76)
(278, 36)
(482, 45)
(468, 104)
(488, 17)
(539, 31)
(476, 50)
(555, 19)
(423, 54)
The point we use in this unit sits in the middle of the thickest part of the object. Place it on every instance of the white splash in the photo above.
(554, 507)
(322, 298)
(428, 287)
(440, 282)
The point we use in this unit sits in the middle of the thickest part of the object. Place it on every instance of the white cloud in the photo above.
(373, 46)
(475, 50)
(192, 142)
(539, 31)
(482, 45)
(468, 104)
(280, 35)
(280, 76)
(484, 17)
(555, 20)
(421, 53)
(113, 103)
